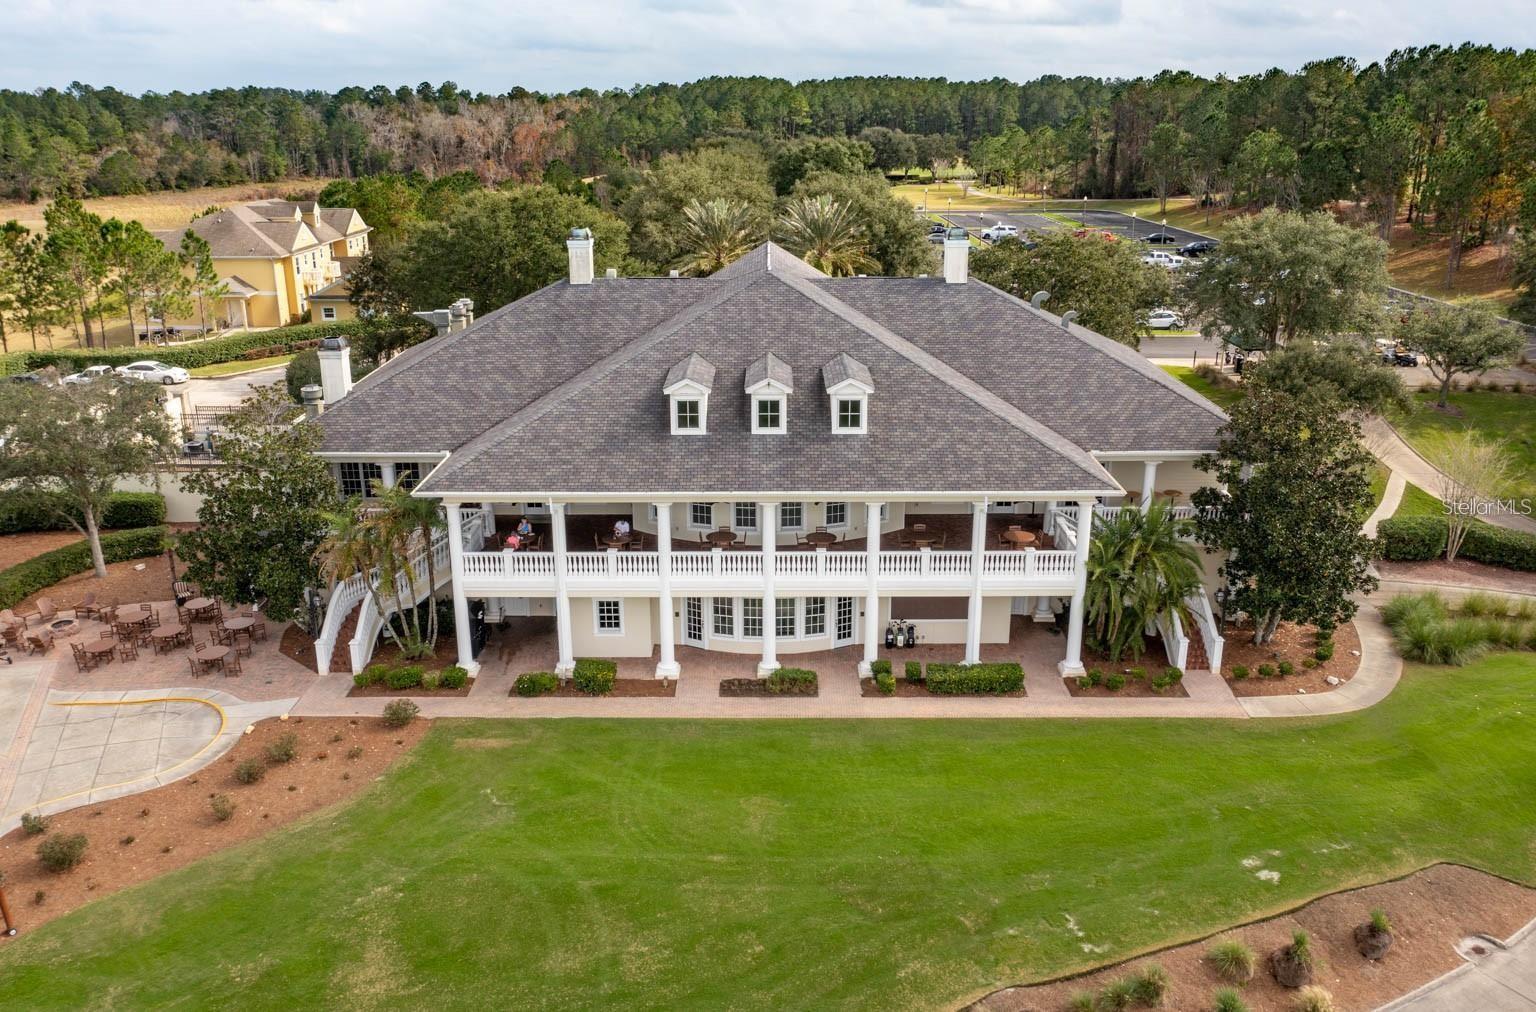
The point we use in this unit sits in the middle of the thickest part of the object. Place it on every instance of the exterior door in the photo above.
(693, 621)
(842, 631)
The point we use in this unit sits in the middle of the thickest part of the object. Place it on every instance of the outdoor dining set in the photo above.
(127, 628)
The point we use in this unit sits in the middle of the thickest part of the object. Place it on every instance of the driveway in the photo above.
(216, 390)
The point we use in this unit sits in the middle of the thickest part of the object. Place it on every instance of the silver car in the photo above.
(154, 372)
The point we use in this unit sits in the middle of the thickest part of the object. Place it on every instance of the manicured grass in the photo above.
(944, 196)
(240, 365)
(1508, 417)
(805, 864)
(1379, 475)
(1418, 503)
(1222, 397)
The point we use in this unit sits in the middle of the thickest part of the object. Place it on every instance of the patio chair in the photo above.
(220, 634)
(128, 650)
(40, 641)
(242, 644)
(10, 634)
(259, 629)
(83, 660)
(86, 606)
(46, 611)
(232, 665)
(597, 541)
(944, 540)
(800, 540)
(196, 668)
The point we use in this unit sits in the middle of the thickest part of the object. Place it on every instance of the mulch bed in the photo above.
(298, 646)
(1293, 643)
(625, 688)
(1430, 911)
(741, 687)
(1135, 688)
(909, 690)
(1461, 573)
(418, 692)
(141, 836)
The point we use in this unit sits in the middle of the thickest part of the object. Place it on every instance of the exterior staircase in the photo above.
(1196, 659)
(341, 655)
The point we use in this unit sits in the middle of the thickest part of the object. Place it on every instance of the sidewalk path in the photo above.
(1502, 981)
(1380, 669)
(1382, 440)
(1390, 500)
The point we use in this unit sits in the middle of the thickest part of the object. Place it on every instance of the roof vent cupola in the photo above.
(579, 249)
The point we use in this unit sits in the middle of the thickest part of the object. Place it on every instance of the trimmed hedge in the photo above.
(27, 578)
(799, 681)
(594, 676)
(1420, 539)
(229, 348)
(968, 679)
(125, 510)
(536, 683)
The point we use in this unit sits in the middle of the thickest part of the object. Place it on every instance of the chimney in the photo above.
(335, 369)
(314, 401)
(458, 317)
(611, 273)
(957, 256)
(579, 247)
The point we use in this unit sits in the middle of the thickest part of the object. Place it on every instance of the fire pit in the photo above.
(64, 626)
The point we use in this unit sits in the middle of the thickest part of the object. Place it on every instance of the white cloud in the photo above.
(488, 46)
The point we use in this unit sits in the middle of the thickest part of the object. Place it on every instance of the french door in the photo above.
(843, 627)
(693, 621)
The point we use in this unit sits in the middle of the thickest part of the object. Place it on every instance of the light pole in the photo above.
(925, 200)
(1133, 226)
(1082, 216)
(1165, 226)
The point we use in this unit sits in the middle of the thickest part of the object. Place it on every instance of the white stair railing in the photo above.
(1175, 643)
(1205, 620)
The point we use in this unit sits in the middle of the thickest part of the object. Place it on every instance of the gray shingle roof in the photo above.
(695, 369)
(845, 367)
(770, 368)
(560, 392)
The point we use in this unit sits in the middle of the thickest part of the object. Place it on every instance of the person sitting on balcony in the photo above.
(514, 542)
(621, 529)
(524, 528)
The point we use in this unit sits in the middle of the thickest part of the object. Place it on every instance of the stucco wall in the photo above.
(636, 640)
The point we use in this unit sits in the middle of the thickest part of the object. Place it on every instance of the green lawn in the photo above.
(805, 864)
(1495, 415)
(1223, 397)
(240, 365)
(1418, 503)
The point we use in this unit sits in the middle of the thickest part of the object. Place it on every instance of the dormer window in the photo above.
(849, 385)
(770, 381)
(687, 389)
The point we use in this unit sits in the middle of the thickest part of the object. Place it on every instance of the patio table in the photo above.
(201, 607)
(168, 636)
(102, 648)
(240, 623)
(721, 538)
(821, 538)
(209, 656)
(1019, 538)
(924, 540)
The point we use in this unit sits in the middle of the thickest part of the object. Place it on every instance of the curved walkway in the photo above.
(1504, 980)
(1393, 451)
(1378, 674)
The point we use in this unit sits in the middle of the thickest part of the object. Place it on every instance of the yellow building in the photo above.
(274, 255)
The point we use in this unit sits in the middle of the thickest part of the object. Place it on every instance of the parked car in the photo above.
(1165, 319)
(937, 229)
(999, 231)
(89, 373)
(1395, 353)
(1161, 239)
(1198, 248)
(154, 372)
(1161, 259)
(40, 378)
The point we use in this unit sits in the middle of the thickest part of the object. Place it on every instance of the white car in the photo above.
(1000, 231)
(1165, 319)
(1171, 261)
(154, 372)
(89, 373)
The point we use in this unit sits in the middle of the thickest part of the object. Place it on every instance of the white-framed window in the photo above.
(328, 313)
(769, 415)
(792, 516)
(723, 612)
(815, 617)
(752, 618)
(357, 478)
(408, 474)
(837, 514)
(608, 616)
(744, 516)
(687, 415)
(849, 415)
(650, 512)
(784, 617)
(701, 516)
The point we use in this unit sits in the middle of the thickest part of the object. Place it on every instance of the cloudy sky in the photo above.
(483, 45)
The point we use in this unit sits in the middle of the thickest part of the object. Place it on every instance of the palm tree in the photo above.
(1140, 566)
(411, 522)
(826, 235)
(715, 233)
(353, 547)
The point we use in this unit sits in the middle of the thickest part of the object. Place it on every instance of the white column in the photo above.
(1148, 481)
(667, 666)
(872, 593)
(978, 557)
(1072, 664)
(768, 526)
(1049, 523)
(460, 604)
(387, 475)
(567, 662)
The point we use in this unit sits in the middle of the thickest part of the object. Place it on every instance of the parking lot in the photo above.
(1123, 225)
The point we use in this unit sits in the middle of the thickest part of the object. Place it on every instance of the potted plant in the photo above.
(1291, 964)
(1375, 938)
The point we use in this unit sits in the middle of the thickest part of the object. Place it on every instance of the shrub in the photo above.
(1480, 603)
(400, 712)
(1136, 674)
(1323, 651)
(1309, 662)
(355, 752)
(886, 683)
(227, 348)
(1313, 999)
(249, 771)
(373, 674)
(27, 578)
(595, 676)
(536, 683)
(61, 853)
(453, 677)
(785, 680)
(1149, 985)
(989, 679)
(1114, 682)
(1301, 948)
(1083, 1001)
(1267, 671)
(430, 680)
(914, 671)
(1092, 677)
(1380, 923)
(1232, 960)
(223, 808)
(283, 749)
(1118, 994)
(1239, 672)
(33, 824)
(34, 512)
(1229, 1000)
(1170, 677)
(1287, 668)
(406, 676)
(1419, 539)
(880, 667)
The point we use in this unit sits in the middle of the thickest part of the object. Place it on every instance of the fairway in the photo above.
(796, 864)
